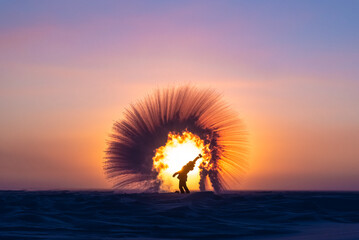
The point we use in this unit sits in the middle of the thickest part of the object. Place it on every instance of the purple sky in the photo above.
(289, 68)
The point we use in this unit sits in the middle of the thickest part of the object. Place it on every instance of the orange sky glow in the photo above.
(65, 78)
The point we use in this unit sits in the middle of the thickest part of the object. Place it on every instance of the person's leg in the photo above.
(186, 188)
(181, 187)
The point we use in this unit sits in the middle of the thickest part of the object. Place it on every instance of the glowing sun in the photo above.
(177, 152)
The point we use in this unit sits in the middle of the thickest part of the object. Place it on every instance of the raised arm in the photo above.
(176, 173)
(198, 157)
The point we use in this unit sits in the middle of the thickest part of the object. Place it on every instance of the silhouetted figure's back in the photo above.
(182, 174)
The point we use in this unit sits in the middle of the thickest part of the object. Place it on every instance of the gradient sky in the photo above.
(289, 68)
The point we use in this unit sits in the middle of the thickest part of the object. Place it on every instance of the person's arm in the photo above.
(176, 173)
(198, 157)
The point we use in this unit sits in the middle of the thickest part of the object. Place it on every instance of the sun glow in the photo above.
(178, 151)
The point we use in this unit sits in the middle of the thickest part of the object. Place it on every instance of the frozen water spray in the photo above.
(139, 148)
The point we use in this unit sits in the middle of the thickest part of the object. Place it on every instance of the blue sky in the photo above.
(289, 68)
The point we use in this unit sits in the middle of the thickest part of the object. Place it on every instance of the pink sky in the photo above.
(290, 70)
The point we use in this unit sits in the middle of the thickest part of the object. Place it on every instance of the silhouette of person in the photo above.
(182, 174)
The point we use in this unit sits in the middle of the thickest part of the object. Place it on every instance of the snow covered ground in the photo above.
(235, 215)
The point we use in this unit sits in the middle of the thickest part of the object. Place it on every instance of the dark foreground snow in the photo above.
(239, 215)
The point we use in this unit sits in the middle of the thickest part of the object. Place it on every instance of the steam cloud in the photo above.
(145, 127)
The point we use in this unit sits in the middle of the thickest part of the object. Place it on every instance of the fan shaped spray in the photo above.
(170, 127)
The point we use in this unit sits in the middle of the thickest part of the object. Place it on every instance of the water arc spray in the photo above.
(147, 124)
